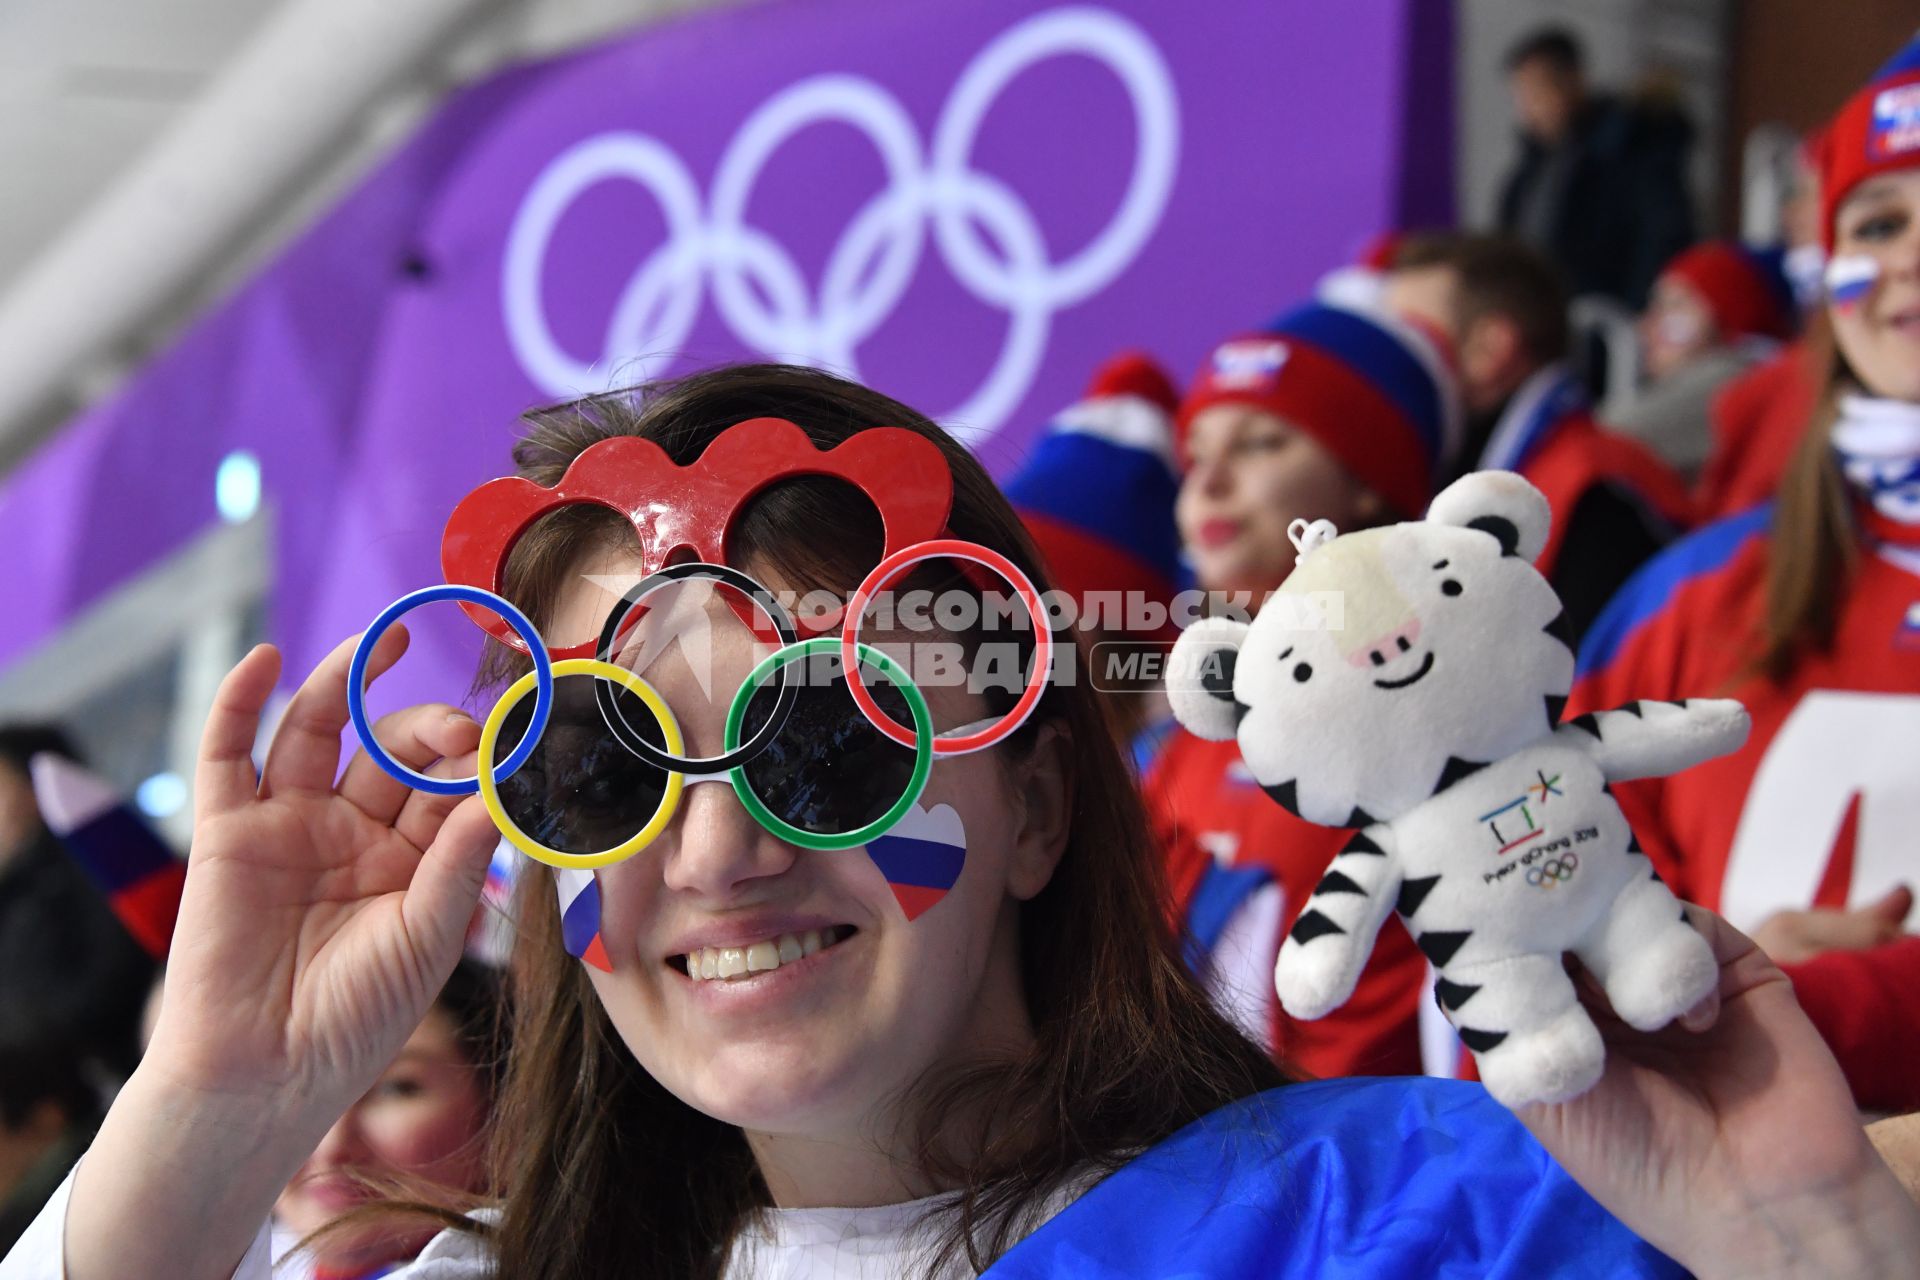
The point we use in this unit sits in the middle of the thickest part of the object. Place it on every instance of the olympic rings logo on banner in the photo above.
(1553, 871)
(758, 288)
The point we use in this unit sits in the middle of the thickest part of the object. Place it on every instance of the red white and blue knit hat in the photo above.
(1877, 131)
(1370, 389)
(1097, 492)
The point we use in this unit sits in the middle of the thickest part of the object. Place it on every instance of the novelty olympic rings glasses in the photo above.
(605, 771)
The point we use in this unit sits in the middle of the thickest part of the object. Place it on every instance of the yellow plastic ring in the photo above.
(490, 790)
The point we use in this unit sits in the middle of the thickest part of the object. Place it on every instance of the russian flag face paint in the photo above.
(502, 873)
(1850, 278)
(580, 916)
(490, 934)
(921, 856)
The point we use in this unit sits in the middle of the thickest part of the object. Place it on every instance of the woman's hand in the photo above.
(317, 925)
(1731, 1141)
(318, 921)
(1794, 937)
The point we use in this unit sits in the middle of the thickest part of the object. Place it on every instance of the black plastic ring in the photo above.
(607, 697)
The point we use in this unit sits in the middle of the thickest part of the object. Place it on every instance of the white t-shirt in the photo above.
(877, 1243)
(841, 1244)
(1239, 973)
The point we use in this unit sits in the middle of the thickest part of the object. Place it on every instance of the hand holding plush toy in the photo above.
(1408, 680)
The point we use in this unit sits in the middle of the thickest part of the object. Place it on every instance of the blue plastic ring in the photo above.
(542, 697)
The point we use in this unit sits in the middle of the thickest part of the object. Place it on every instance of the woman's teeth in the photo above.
(728, 963)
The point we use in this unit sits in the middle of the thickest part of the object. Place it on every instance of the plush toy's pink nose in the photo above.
(1381, 650)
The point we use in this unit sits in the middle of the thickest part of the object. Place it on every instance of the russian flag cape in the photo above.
(1340, 1180)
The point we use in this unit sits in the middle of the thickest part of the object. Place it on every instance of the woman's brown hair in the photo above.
(1814, 546)
(606, 1172)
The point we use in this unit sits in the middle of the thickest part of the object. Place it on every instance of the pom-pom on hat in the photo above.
(1371, 390)
(1097, 492)
(1361, 282)
(1748, 298)
(1877, 131)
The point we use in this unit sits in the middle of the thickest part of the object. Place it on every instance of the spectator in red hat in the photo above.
(1718, 310)
(1331, 414)
(1757, 419)
(1807, 609)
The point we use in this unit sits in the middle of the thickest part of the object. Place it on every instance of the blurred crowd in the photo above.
(1742, 520)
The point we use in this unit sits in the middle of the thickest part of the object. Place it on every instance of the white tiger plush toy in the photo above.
(1408, 680)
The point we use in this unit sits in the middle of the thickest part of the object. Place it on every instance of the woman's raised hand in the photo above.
(319, 919)
(1731, 1141)
(318, 923)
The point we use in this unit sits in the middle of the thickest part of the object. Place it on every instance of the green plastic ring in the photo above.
(922, 744)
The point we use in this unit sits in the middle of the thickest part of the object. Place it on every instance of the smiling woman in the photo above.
(1332, 417)
(1017, 1076)
(901, 1057)
(1809, 603)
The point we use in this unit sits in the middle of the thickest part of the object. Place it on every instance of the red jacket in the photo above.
(1208, 814)
(1757, 420)
(1819, 808)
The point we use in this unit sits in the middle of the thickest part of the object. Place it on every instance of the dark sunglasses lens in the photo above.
(581, 791)
(829, 771)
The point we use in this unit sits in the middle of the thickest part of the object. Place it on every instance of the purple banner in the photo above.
(968, 206)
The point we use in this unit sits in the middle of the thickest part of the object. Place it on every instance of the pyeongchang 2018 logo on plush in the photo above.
(987, 237)
(1896, 122)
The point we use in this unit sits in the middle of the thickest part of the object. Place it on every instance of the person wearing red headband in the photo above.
(1718, 309)
(1808, 610)
(1327, 413)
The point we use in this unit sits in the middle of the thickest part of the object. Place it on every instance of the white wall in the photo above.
(84, 85)
(88, 87)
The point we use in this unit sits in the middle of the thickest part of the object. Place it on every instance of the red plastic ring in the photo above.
(906, 557)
